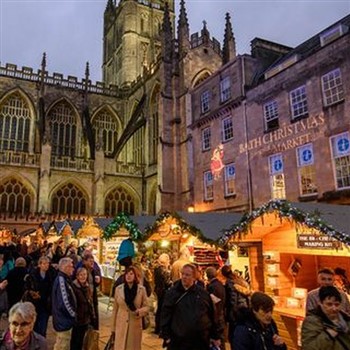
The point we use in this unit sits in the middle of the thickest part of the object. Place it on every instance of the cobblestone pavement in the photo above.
(150, 341)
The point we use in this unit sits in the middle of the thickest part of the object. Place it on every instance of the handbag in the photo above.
(146, 322)
(91, 339)
(110, 343)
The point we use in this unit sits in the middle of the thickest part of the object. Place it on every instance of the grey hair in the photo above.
(25, 309)
(20, 262)
(43, 258)
(64, 262)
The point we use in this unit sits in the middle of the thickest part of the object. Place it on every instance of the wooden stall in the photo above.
(90, 234)
(196, 231)
(287, 243)
(5, 235)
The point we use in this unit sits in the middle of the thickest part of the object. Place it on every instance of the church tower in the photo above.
(132, 38)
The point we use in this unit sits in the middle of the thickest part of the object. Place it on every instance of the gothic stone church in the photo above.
(68, 146)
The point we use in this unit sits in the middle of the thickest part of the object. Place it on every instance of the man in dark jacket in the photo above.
(39, 290)
(217, 292)
(256, 329)
(187, 317)
(63, 304)
(15, 279)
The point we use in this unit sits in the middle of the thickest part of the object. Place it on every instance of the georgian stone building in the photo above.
(275, 125)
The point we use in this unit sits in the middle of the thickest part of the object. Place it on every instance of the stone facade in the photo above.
(310, 167)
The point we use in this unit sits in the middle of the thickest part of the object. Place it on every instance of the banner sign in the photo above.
(310, 241)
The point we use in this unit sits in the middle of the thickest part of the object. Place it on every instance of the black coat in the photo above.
(188, 322)
(15, 287)
(162, 280)
(85, 308)
(249, 334)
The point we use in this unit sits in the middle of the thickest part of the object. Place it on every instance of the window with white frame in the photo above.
(298, 102)
(205, 102)
(230, 175)
(225, 89)
(341, 159)
(306, 170)
(332, 87)
(227, 129)
(208, 186)
(278, 188)
(206, 136)
(271, 115)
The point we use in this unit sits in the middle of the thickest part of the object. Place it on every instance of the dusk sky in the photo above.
(70, 31)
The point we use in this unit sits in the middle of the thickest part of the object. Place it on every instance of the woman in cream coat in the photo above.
(130, 305)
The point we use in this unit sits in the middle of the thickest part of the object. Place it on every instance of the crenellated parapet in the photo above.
(58, 79)
(201, 40)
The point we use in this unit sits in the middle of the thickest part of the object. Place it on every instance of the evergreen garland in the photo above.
(181, 227)
(122, 220)
(283, 209)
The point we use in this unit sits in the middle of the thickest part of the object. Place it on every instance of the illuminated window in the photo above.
(206, 136)
(278, 189)
(298, 102)
(271, 115)
(14, 124)
(15, 197)
(230, 175)
(341, 159)
(63, 130)
(105, 127)
(227, 129)
(306, 170)
(225, 89)
(119, 200)
(208, 186)
(69, 199)
(332, 87)
(205, 102)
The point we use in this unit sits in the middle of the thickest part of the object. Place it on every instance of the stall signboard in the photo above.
(314, 241)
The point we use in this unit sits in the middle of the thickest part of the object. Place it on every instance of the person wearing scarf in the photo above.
(130, 305)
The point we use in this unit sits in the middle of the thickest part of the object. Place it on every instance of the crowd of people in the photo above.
(196, 310)
(39, 281)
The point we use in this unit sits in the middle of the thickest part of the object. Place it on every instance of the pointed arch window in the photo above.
(15, 197)
(105, 130)
(119, 200)
(153, 133)
(63, 127)
(69, 199)
(14, 124)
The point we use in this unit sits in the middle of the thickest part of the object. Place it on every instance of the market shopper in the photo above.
(85, 308)
(15, 282)
(20, 334)
(325, 277)
(188, 318)
(161, 283)
(38, 290)
(326, 327)
(184, 258)
(217, 292)
(256, 329)
(63, 305)
(130, 305)
(237, 298)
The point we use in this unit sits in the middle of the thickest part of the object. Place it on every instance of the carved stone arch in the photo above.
(17, 194)
(107, 128)
(200, 76)
(74, 199)
(70, 103)
(67, 141)
(122, 197)
(28, 145)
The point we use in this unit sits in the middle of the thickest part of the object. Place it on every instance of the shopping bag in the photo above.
(110, 343)
(91, 339)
